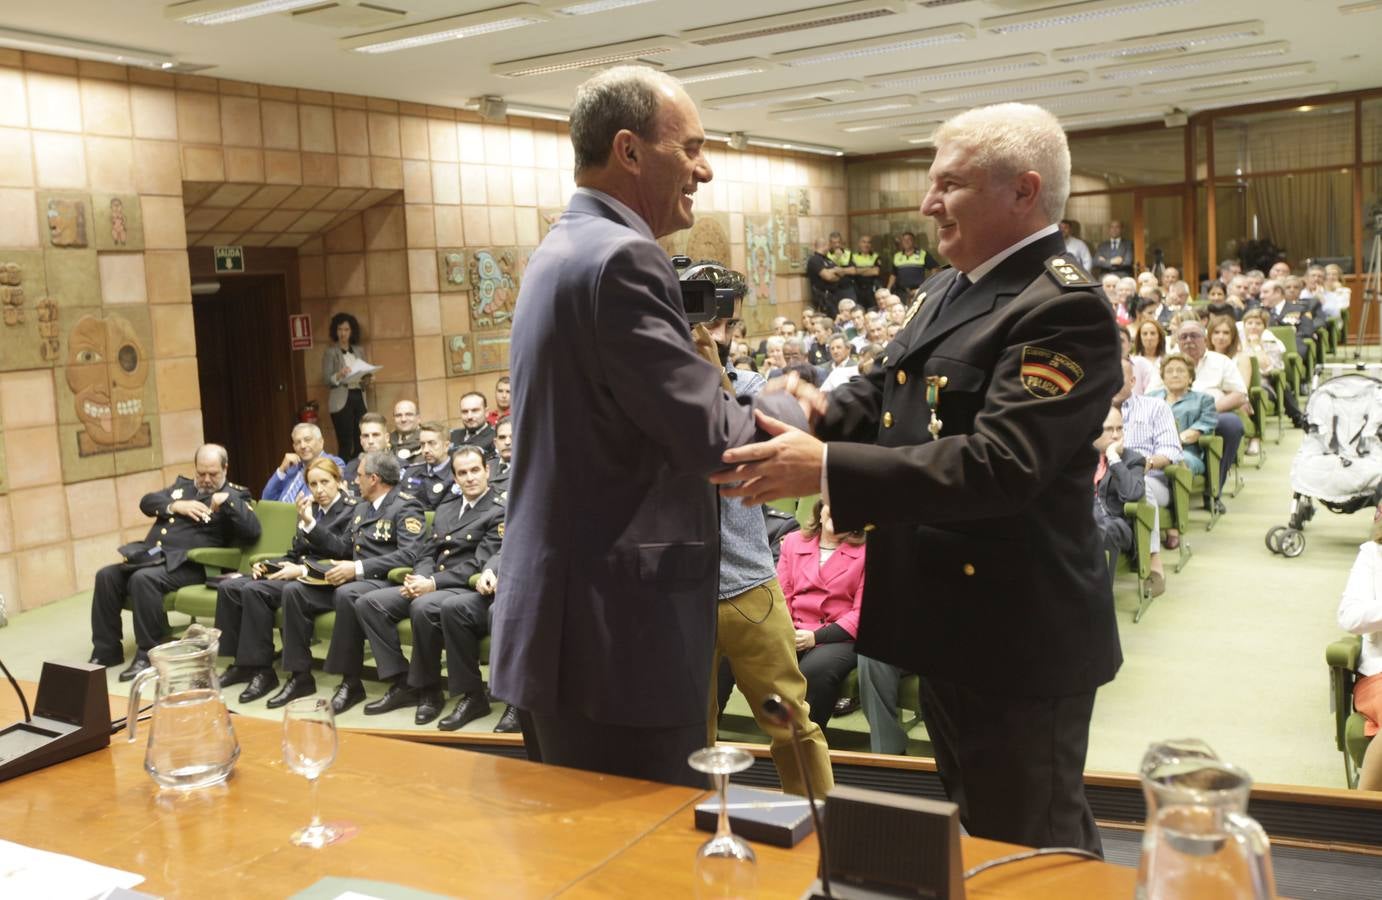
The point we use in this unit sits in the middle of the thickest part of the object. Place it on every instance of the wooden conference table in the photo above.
(449, 821)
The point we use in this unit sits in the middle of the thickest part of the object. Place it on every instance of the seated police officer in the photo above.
(245, 606)
(429, 477)
(374, 435)
(386, 532)
(503, 456)
(475, 431)
(404, 438)
(205, 511)
(466, 536)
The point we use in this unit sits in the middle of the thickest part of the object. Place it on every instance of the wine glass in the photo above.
(725, 865)
(309, 748)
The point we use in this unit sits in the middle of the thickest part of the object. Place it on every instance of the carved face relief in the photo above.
(107, 368)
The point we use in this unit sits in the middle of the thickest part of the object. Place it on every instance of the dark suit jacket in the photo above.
(234, 522)
(1123, 482)
(461, 545)
(327, 539)
(981, 568)
(607, 605)
(1105, 254)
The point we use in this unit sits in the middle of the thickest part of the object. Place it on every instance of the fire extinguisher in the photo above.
(308, 413)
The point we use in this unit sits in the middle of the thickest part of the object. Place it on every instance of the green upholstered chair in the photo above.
(1140, 515)
(1255, 425)
(1296, 373)
(804, 505)
(1342, 657)
(1178, 511)
(277, 521)
(1184, 485)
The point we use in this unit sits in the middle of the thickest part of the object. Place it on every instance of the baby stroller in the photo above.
(1339, 463)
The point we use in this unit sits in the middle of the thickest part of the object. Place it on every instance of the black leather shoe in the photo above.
(348, 694)
(468, 709)
(508, 722)
(397, 696)
(237, 675)
(300, 684)
(845, 705)
(137, 665)
(429, 706)
(108, 663)
(261, 683)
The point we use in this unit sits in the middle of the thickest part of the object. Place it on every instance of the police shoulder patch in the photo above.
(176, 494)
(412, 525)
(1069, 274)
(1046, 374)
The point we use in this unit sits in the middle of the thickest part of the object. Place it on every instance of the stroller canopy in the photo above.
(1340, 458)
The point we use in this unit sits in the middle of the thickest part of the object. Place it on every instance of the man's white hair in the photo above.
(314, 431)
(1008, 139)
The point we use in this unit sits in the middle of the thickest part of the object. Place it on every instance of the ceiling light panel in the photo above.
(587, 57)
(930, 118)
(1191, 62)
(1242, 98)
(1115, 117)
(1349, 9)
(1057, 102)
(734, 68)
(451, 28)
(1169, 42)
(893, 43)
(929, 75)
(591, 7)
(223, 12)
(1072, 14)
(784, 96)
(999, 91)
(802, 20)
(1227, 79)
(835, 110)
(61, 46)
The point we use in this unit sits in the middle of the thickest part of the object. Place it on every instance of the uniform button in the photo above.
(468, 537)
(164, 531)
(968, 568)
(158, 543)
(901, 377)
(447, 538)
(446, 553)
(441, 568)
(887, 420)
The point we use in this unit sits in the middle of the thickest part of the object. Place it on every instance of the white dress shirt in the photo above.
(1360, 607)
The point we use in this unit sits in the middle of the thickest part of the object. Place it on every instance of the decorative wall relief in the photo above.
(119, 222)
(451, 270)
(708, 238)
(480, 351)
(760, 253)
(459, 353)
(789, 205)
(495, 278)
(28, 316)
(12, 295)
(66, 220)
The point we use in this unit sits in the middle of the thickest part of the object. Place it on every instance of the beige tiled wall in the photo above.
(458, 182)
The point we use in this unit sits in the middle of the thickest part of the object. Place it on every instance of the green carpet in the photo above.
(1233, 652)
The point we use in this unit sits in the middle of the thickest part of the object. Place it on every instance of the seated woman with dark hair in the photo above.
(1360, 612)
(1194, 411)
(822, 578)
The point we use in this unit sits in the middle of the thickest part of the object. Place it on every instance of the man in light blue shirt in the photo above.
(289, 481)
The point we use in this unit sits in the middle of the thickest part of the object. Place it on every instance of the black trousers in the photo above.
(456, 620)
(346, 421)
(245, 617)
(653, 754)
(145, 588)
(379, 612)
(826, 666)
(1014, 765)
(302, 603)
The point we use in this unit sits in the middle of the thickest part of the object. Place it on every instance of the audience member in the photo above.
(1150, 347)
(744, 364)
(1177, 299)
(503, 457)
(826, 278)
(1280, 269)
(1169, 276)
(474, 430)
(1150, 302)
(1360, 612)
(866, 271)
(818, 348)
(1337, 295)
(1115, 254)
(286, 483)
(373, 436)
(1149, 427)
(1074, 246)
(1193, 411)
(1118, 479)
(245, 607)
(1217, 376)
(822, 578)
(773, 360)
(346, 401)
(404, 438)
(910, 266)
(429, 479)
(1270, 353)
(203, 511)
(1123, 294)
(1215, 294)
(1109, 284)
(501, 401)
(793, 353)
(1255, 279)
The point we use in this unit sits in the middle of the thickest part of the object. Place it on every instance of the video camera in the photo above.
(708, 289)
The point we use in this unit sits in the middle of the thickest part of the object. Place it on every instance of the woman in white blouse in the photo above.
(1360, 612)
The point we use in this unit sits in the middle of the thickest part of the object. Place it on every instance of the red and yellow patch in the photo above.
(1047, 374)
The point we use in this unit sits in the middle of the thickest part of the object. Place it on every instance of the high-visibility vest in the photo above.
(863, 260)
(839, 257)
(910, 268)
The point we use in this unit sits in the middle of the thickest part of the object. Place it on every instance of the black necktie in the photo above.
(957, 287)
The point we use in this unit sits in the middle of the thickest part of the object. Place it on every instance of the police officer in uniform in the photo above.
(842, 257)
(429, 477)
(910, 266)
(965, 455)
(386, 532)
(453, 588)
(866, 272)
(503, 457)
(205, 511)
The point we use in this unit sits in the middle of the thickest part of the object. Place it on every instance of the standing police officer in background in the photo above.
(966, 455)
(866, 272)
(910, 266)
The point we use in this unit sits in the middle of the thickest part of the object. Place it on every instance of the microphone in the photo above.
(781, 714)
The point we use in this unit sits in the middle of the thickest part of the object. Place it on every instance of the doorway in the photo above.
(245, 370)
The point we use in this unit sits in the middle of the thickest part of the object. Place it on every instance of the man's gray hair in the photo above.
(212, 451)
(314, 430)
(1011, 138)
(382, 463)
(615, 99)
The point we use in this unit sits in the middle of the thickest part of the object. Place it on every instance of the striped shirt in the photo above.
(1149, 427)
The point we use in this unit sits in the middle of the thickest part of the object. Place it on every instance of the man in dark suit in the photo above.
(474, 430)
(966, 455)
(502, 462)
(1119, 478)
(429, 478)
(605, 620)
(1115, 254)
(205, 511)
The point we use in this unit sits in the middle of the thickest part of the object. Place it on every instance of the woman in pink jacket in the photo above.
(822, 577)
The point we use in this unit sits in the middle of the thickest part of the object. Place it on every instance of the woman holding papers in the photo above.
(345, 370)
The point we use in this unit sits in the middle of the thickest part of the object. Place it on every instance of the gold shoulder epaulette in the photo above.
(1067, 273)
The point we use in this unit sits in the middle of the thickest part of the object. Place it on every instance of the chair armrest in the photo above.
(472, 579)
(264, 557)
(1140, 512)
(397, 575)
(1180, 475)
(220, 557)
(1344, 653)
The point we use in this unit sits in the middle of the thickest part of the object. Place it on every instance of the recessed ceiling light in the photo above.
(733, 68)
(1110, 97)
(794, 145)
(782, 96)
(1115, 117)
(1369, 6)
(893, 43)
(931, 74)
(786, 23)
(591, 7)
(1191, 62)
(999, 91)
(1227, 79)
(878, 123)
(62, 46)
(1168, 42)
(1072, 14)
(223, 12)
(918, 138)
(587, 57)
(835, 110)
(451, 28)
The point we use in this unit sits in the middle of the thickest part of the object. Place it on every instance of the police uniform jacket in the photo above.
(328, 537)
(482, 437)
(461, 545)
(429, 486)
(405, 447)
(983, 560)
(499, 476)
(391, 536)
(233, 522)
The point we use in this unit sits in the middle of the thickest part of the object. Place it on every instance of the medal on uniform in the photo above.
(913, 309)
(382, 530)
(934, 383)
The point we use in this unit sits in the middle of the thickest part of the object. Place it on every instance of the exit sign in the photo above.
(230, 259)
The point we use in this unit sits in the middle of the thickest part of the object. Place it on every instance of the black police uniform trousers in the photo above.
(379, 612)
(455, 619)
(302, 603)
(145, 587)
(245, 617)
(346, 421)
(1014, 765)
